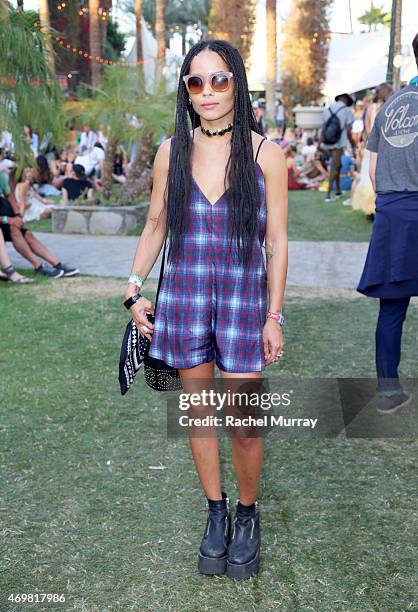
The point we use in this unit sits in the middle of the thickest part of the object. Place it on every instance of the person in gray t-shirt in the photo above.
(391, 269)
(342, 109)
(393, 143)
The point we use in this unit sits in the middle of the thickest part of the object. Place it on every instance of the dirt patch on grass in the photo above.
(82, 289)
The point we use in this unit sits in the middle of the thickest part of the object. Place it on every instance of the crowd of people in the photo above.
(341, 166)
(73, 174)
(54, 178)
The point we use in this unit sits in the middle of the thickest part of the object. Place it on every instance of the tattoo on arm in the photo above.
(270, 250)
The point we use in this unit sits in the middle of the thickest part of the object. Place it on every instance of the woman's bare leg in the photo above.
(5, 260)
(205, 450)
(247, 455)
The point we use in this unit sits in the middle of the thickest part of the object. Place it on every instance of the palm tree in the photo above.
(155, 111)
(160, 34)
(95, 41)
(305, 51)
(234, 22)
(46, 25)
(138, 21)
(131, 114)
(29, 92)
(271, 72)
(373, 17)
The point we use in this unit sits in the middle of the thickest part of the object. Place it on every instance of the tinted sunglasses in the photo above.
(219, 81)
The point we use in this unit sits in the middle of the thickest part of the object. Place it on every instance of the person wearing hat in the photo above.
(338, 119)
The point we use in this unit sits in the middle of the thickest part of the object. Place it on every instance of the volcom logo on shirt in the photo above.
(400, 127)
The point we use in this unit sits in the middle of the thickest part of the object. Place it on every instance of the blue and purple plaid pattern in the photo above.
(209, 307)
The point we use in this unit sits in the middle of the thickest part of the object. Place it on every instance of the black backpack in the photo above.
(332, 130)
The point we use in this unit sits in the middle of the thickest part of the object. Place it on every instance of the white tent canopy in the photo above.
(149, 49)
(359, 61)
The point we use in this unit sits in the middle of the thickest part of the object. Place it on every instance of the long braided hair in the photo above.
(243, 194)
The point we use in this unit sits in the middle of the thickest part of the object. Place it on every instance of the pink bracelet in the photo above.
(277, 316)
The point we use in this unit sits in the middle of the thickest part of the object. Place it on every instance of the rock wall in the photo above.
(104, 220)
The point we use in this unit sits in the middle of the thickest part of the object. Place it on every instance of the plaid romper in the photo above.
(209, 307)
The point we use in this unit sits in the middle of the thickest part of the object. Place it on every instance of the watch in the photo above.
(131, 300)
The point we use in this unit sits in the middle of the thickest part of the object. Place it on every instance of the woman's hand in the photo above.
(273, 341)
(138, 312)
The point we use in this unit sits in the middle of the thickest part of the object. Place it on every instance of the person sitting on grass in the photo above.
(32, 206)
(8, 272)
(315, 169)
(24, 241)
(296, 180)
(120, 166)
(46, 183)
(76, 186)
(6, 164)
(347, 174)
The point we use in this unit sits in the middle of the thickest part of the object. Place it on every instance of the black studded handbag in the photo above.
(134, 352)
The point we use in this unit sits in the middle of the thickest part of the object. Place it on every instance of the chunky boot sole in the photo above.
(211, 565)
(243, 571)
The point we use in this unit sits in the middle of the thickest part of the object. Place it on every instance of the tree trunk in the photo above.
(183, 40)
(95, 46)
(20, 4)
(160, 35)
(139, 178)
(271, 72)
(235, 22)
(108, 166)
(397, 46)
(138, 20)
(46, 25)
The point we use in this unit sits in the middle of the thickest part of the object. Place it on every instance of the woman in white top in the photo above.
(363, 198)
(32, 206)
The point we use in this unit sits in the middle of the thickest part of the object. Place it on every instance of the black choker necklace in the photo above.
(219, 132)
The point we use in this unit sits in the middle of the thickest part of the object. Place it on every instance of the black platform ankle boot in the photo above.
(244, 548)
(214, 546)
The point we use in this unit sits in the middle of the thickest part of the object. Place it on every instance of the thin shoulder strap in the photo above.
(261, 142)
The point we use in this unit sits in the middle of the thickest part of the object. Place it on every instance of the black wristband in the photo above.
(18, 215)
(131, 300)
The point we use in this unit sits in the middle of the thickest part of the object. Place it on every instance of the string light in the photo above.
(104, 13)
(85, 54)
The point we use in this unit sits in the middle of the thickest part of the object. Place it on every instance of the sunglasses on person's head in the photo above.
(219, 81)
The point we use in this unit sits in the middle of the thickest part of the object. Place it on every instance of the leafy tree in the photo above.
(178, 15)
(305, 51)
(130, 113)
(235, 23)
(374, 17)
(29, 92)
(115, 42)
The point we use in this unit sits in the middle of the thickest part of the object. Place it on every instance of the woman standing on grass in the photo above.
(219, 189)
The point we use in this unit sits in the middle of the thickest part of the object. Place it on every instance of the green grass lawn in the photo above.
(313, 219)
(310, 218)
(83, 513)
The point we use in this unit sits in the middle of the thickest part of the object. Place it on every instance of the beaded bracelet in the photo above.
(136, 280)
(277, 316)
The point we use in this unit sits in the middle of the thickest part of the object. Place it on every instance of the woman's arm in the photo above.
(23, 193)
(64, 196)
(153, 234)
(368, 121)
(372, 168)
(275, 172)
